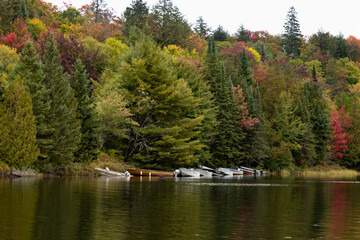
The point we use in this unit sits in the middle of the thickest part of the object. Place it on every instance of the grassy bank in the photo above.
(315, 172)
(86, 169)
(69, 169)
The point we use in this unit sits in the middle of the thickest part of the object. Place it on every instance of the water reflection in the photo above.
(183, 208)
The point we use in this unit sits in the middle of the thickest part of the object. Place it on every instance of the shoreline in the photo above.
(87, 170)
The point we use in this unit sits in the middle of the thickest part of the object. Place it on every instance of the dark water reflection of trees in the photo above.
(268, 208)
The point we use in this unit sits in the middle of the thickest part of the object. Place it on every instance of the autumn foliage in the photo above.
(340, 139)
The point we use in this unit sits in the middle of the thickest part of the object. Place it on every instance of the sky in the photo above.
(329, 15)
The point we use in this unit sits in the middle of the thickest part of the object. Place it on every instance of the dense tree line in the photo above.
(148, 88)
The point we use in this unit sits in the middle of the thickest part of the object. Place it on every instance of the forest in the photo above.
(156, 91)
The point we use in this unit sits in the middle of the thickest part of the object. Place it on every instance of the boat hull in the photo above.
(204, 173)
(184, 172)
(224, 171)
(148, 172)
(108, 173)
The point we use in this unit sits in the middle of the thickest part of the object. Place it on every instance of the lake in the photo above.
(143, 208)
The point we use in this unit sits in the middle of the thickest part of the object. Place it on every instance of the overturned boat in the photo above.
(187, 172)
(109, 173)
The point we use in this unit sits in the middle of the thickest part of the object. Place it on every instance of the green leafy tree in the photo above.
(169, 25)
(17, 127)
(30, 70)
(62, 117)
(115, 117)
(90, 138)
(292, 34)
(160, 103)
(72, 15)
(8, 60)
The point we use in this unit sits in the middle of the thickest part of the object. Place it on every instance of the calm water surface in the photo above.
(219, 208)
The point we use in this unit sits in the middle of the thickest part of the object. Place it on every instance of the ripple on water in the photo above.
(241, 184)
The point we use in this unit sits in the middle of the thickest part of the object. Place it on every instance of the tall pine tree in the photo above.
(62, 116)
(90, 141)
(255, 143)
(190, 71)
(160, 103)
(226, 147)
(136, 15)
(30, 70)
(292, 36)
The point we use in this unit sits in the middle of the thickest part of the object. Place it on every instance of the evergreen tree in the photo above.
(90, 142)
(23, 10)
(321, 130)
(242, 34)
(289, 128)
(17, 127)
(9, 11)
(220, 34)
(169, 25)
(226, 147)
(255, 140)
(211, 68)
(319, 119)
(160, 103)
(307, 153)
(292, 35)
(189, 70)
(136, 15)
(340, 47)
(62, 116)
(30, 70)
(201, 28)
(322, 40)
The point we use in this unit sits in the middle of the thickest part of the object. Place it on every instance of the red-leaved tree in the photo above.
(18, 37)
(246, 120)
(340, 123)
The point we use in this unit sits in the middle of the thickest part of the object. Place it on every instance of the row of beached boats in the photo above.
(183, 172)
(218, 172)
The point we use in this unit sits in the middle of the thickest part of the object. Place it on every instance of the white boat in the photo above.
(225, 171)
(237, 171)
(108, 173)
(186, 172)
(251, 171)
(204, 173)
(214, 173)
